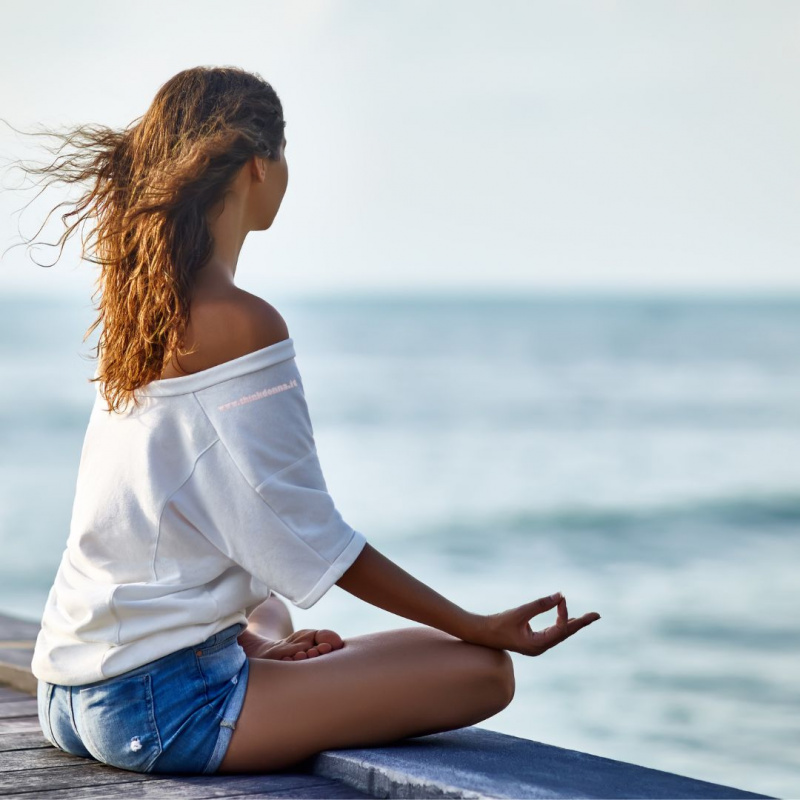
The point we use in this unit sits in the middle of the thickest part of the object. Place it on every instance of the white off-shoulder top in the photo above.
(188, 511)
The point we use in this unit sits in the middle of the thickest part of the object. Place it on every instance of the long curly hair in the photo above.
(148, 188)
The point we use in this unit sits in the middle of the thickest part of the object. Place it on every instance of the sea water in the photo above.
(641, 455)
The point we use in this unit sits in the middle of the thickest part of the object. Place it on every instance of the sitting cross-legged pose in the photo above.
(164, 647)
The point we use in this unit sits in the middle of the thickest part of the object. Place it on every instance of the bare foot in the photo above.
(269, 634)
(307, 643)
(297, 646)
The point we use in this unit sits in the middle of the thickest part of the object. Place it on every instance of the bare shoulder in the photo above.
(258, 323)
(222, 328)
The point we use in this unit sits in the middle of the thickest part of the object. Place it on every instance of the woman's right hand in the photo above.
(509, 630)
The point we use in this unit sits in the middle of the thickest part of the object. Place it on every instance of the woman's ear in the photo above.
(258, 168)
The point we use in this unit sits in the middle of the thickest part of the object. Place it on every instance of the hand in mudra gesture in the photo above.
(510, 630)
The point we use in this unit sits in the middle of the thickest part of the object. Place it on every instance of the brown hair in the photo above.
(149, 187)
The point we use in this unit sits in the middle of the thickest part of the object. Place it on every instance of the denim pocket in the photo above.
(219, 666)
(117, 722)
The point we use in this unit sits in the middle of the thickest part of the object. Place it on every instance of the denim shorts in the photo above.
(174, 715)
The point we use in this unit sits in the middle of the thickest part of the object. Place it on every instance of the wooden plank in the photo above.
(321, 792)
(91, 773)
(7, 693)
(17, 637)
(17, 676)
(38, 759)
(275, 785)
(18, 708)
(20, 725)
(125, 790)
(17, 655)
(22, 741)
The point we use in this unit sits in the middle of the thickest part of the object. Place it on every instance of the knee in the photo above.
(502, 670)
(490, 668)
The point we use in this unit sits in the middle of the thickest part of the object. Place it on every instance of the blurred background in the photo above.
(540, 263)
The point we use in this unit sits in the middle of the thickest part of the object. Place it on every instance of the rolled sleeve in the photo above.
(316, 546)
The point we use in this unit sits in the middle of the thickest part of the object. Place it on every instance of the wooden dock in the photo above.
(30, 767)
(469, 762)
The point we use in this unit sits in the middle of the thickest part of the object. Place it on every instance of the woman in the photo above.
(199, 493)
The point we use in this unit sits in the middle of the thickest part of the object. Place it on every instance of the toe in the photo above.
(327, 636)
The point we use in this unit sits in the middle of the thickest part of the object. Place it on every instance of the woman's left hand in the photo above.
(298, 646)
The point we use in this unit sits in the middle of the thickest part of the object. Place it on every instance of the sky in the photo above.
(457, 145)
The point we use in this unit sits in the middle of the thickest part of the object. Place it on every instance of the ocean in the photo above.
(639, 454)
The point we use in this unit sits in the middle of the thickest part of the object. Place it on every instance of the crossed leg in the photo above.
(377, 688)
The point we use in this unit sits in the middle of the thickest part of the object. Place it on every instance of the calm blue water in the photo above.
(642, 456)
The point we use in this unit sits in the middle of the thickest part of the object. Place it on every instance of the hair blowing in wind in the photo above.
(147, 190)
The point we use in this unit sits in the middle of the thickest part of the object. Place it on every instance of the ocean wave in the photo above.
(670, 536)
(776, 511)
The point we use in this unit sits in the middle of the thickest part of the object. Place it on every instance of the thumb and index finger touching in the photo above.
(542, 604)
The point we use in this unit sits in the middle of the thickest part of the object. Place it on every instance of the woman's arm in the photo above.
(379, 581)
(375, 579)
